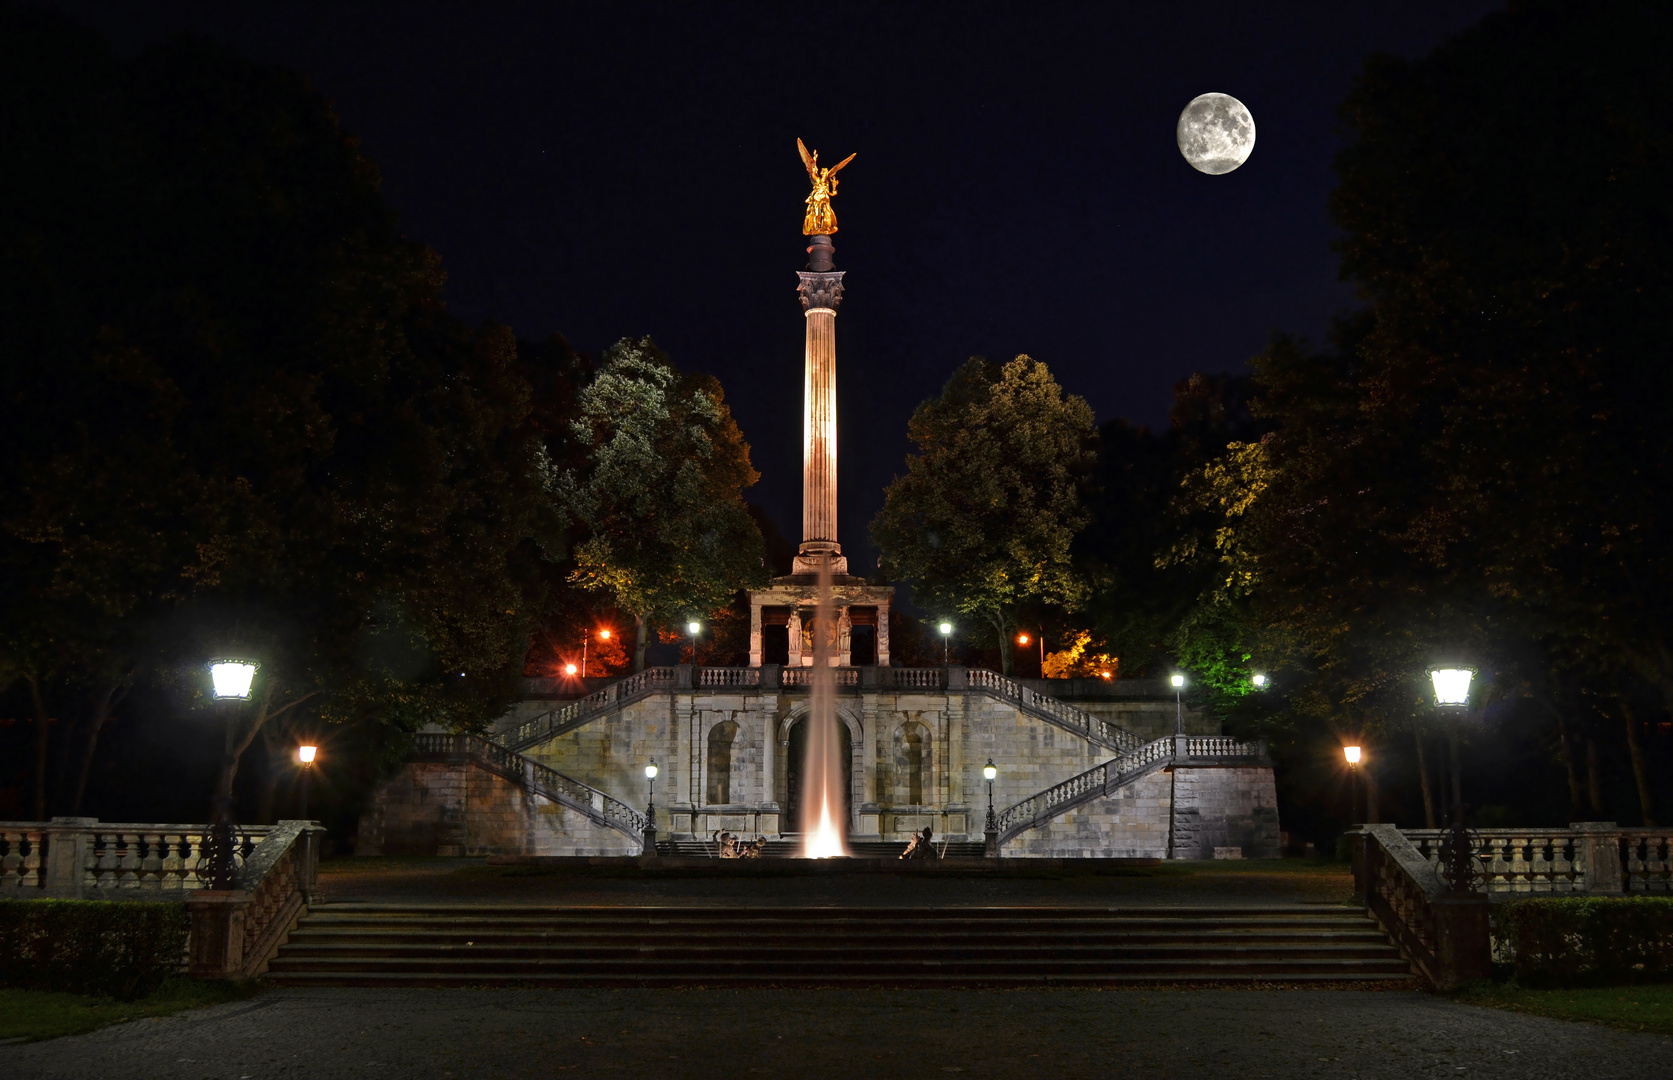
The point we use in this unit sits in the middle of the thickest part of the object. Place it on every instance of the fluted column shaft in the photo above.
(819, 435)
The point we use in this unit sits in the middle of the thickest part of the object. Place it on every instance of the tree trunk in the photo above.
(113, 696)
(638, 644)
(1575, 798)
(1423, 780)
(1594, 783)
(1007, 663)
(1640, 772)
(42, 734)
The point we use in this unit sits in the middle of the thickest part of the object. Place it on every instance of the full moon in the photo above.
(1216, 133)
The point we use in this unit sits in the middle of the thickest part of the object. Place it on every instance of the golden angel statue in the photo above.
(820, 219)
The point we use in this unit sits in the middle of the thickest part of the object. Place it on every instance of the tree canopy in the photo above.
(990, 504)
(668, 536)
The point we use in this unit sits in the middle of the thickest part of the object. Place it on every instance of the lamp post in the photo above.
(1259, 680)
(231, 679)
(305, 755)
(1351, 753)
(1457, 854)
(694, 628)
(1178, 682)
(992, 827)
(946, 635)
(650, 810)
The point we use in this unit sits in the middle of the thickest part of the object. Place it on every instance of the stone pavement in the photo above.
(677, 1034)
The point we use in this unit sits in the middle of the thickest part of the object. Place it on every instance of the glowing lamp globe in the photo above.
(694, 628)
(650, 771)
(306, 754)
(1452, 685)
(605, 634)
(1177, 681)
(990, 770)
(1352, 754)
(946, 628)
(1259, 681)
(232, 678)
(1022, 639)
(569, 669)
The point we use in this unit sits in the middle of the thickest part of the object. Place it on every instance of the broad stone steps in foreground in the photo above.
(456, 945)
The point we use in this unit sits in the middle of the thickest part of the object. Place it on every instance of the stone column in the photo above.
(883, 634)
(754, 634)
(821, 292)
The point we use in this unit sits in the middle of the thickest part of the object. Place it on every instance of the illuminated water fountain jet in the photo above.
(825, 809)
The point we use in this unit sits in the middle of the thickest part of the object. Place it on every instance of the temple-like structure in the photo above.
(1084, 768)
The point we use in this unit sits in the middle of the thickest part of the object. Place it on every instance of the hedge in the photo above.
(110, 948)
(1587, 940)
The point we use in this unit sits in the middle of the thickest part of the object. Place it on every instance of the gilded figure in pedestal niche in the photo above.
(820, 219)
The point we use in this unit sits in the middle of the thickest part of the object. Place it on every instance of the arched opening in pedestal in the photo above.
(795, 760)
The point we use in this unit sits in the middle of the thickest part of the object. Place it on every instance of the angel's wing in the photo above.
(843, 162)
(807, 158)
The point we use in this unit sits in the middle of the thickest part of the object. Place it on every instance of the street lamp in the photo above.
(1351, 753)
(650, 810)
(1178, 682)
(946, 635)
(992, 828)
(694, 628)
(231, 679)
(1457, 854)
(1259, 680)
(305, 754)
(586, 634)
(569, 670)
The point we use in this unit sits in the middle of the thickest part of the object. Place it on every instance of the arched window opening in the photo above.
(721, 738)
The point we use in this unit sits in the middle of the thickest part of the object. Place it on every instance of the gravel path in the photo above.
(650, 1034)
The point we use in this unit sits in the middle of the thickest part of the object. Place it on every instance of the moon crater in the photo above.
(1215, 133)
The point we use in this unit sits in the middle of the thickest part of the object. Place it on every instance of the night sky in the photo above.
(604, 171)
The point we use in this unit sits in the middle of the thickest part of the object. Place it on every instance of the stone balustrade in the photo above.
(1588, 857)
(235, 932)
(71, 858)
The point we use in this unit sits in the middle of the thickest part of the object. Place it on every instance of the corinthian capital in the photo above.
(820, 290)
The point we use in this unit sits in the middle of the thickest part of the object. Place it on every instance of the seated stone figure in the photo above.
(730, 847)
(920, 847)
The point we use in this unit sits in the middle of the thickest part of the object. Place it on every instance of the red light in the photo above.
(1022, 639)
(1104, 674)
(569, 669)
(605, 634)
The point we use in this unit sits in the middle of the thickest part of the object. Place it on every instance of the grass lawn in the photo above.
(46, 1014)
(1633, 1008)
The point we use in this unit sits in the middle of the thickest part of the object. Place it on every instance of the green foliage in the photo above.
(660, 493)
(1587, 940)
(990, 504)
(111, 948)
(236, 410)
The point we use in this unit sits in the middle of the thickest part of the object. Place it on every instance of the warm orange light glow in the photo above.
(1106, 674)
(569, 669)
(605, 634)
(305, 754)
(1022, 639)
(1352, 754)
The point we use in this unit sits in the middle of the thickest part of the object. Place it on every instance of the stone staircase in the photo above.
(440, 945)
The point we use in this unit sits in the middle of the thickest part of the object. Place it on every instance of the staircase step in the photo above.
(460, 945)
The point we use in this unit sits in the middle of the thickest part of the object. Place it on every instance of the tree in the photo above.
(990, 504)
(241, 411)
(660, 494)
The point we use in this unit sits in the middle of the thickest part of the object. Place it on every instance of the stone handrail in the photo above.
(70, 858)
(573, 714)
(1094, 729)
(236, 932)
(1109, 777)
(728, 676)
(1587, 857)
(795, 677)
(1445, 934)
(599, 807)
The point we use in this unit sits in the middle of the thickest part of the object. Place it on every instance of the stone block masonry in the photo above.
(1225, 808)
(460, 808)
